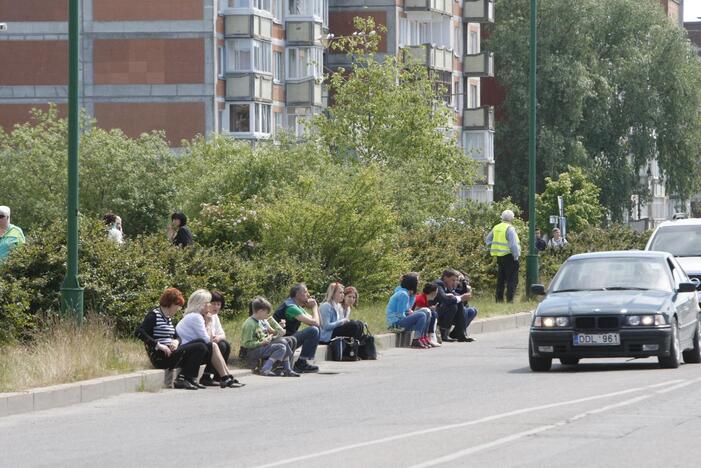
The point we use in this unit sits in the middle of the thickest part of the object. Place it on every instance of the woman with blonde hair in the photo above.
(193, 327)
(334, 322)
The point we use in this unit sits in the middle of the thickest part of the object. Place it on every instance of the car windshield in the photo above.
(680, 241)
(613, 273)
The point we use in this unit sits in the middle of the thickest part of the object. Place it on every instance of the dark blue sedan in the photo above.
(616, 304)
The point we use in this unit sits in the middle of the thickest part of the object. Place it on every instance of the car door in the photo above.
(684, 302)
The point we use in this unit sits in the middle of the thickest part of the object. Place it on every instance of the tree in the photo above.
(580, 196)
(618, 86)
(391, 114)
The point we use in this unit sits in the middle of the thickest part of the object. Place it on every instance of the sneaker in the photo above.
(290, 373)
(417, 344)
(303, 367)
(424, 341)
(183, 384)
(269, 373)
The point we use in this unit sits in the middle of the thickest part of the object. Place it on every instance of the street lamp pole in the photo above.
(532, 258)
(71, 292)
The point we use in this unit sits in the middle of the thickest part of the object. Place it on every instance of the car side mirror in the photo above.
(538, 289)
(686, 288)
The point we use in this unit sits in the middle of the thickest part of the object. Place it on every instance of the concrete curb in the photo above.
(57, 396)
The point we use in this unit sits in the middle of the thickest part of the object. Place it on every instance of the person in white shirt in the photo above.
(557, 242)
(193, 327)
(211, 377)
(114, 228)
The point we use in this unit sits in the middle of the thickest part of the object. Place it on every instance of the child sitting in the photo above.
(423, 303)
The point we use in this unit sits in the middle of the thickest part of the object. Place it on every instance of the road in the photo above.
(472, 404)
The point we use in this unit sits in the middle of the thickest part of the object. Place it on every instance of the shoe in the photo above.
(433, 340)
(290, 373)
(184, 384)
(417, 344)
(269, 373)
(424, 341)
(207, 381)
(303, 367)
(231, 382)
(444, 336)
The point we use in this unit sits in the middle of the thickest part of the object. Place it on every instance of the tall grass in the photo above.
(67, 353)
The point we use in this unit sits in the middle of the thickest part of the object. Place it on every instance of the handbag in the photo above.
(366, 346)
(344, 348)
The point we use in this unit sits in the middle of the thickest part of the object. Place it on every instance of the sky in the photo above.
(692, 10)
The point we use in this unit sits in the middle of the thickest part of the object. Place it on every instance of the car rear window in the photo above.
(680, 241)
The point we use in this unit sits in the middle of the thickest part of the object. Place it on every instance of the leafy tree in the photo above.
(391, 114)
(618, 86)
(580, 197)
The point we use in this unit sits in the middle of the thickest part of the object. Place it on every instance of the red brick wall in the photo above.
(33, 10)
(146, 10)
(148, 61)
(180, 120)
(341, 23)
(11, 114)
(33, 63)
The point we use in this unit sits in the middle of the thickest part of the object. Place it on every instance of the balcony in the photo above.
(305, 93)
(303, 32)
(437, 58)
(248, 26)
(479, 65)
(479, 118)
(444, 7)
(249, 88)
(478, 11)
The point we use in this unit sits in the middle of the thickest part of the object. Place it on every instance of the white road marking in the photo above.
(537, 430)
(448, 427)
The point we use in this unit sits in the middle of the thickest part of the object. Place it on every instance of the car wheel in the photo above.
(672, 361)
(538, 364)
(569, 361)
(693, 356)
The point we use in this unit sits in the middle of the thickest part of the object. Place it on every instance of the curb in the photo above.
(57, 396)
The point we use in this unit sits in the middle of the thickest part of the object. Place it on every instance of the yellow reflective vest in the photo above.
(500, 245)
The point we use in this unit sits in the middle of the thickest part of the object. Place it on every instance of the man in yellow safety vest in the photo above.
(503, 244)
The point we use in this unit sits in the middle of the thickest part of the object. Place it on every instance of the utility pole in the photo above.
(71, 292)
(532, 257)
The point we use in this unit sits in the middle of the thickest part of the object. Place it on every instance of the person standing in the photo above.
(540, 243)
(114, 228)
(557, 242)
(11, 236)
(503, 243)
(178, 232)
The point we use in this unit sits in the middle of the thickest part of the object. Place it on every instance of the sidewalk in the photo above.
(57, 396)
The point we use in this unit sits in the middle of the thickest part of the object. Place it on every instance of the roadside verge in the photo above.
(57, 396)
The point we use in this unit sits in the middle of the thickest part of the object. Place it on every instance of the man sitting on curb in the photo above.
(450, 307)
(291, 315)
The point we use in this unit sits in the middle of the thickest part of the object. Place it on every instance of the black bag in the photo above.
(366, 347)
(344, 348)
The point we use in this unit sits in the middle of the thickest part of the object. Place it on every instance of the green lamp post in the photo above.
(532, 257)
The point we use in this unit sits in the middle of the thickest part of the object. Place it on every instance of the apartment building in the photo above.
(240, 67)
(445, 35)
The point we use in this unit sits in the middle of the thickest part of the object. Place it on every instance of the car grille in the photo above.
(597, 323)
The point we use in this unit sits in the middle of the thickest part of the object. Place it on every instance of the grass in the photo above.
(68, 354)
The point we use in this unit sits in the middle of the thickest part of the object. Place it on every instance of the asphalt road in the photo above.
(472, 404)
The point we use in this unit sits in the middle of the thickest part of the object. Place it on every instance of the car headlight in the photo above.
(645, 320)
(551, 322)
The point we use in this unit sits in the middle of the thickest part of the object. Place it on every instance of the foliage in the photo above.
(130, 177)
(392, 115)
(581, 201)
(618, 86)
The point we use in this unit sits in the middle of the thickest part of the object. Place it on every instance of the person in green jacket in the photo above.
(264, 338)
(11, 236)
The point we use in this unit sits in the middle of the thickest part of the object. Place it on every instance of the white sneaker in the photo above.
(433, 339)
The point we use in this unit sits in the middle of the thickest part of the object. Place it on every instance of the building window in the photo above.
(278, 67)
(245, 55)
(277, 10)
(262, 118)
(473, 97)
(264, 5)
(221, 62)
(304, 62)
(277, 123)
(457, 40)
(479, 145)
(306, 8)
(239, 118)
(474, 43)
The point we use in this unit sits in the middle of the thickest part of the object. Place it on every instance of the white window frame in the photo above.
(306, 8)
(473, 42)
(259, 119)
(259, 5)
(314, 64)
(259, 60)
(474, 96)
(278, 10)
(221, 61)
(278, 66)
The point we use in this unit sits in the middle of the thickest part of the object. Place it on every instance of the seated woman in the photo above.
(350, 300)
(334, 322)
(162, 345)
(264, 338)
(192, 328)
(400, 314)
(211, 377)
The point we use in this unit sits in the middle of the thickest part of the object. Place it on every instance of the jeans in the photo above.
(416, 322)
(308, 339)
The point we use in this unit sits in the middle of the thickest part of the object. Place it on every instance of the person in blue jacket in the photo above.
(400, 315)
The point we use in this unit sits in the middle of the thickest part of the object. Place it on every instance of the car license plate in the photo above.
(602, 339)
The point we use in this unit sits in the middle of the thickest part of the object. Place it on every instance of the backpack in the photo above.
(344, 348)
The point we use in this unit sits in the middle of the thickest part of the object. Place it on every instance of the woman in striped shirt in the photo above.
(163, 345)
